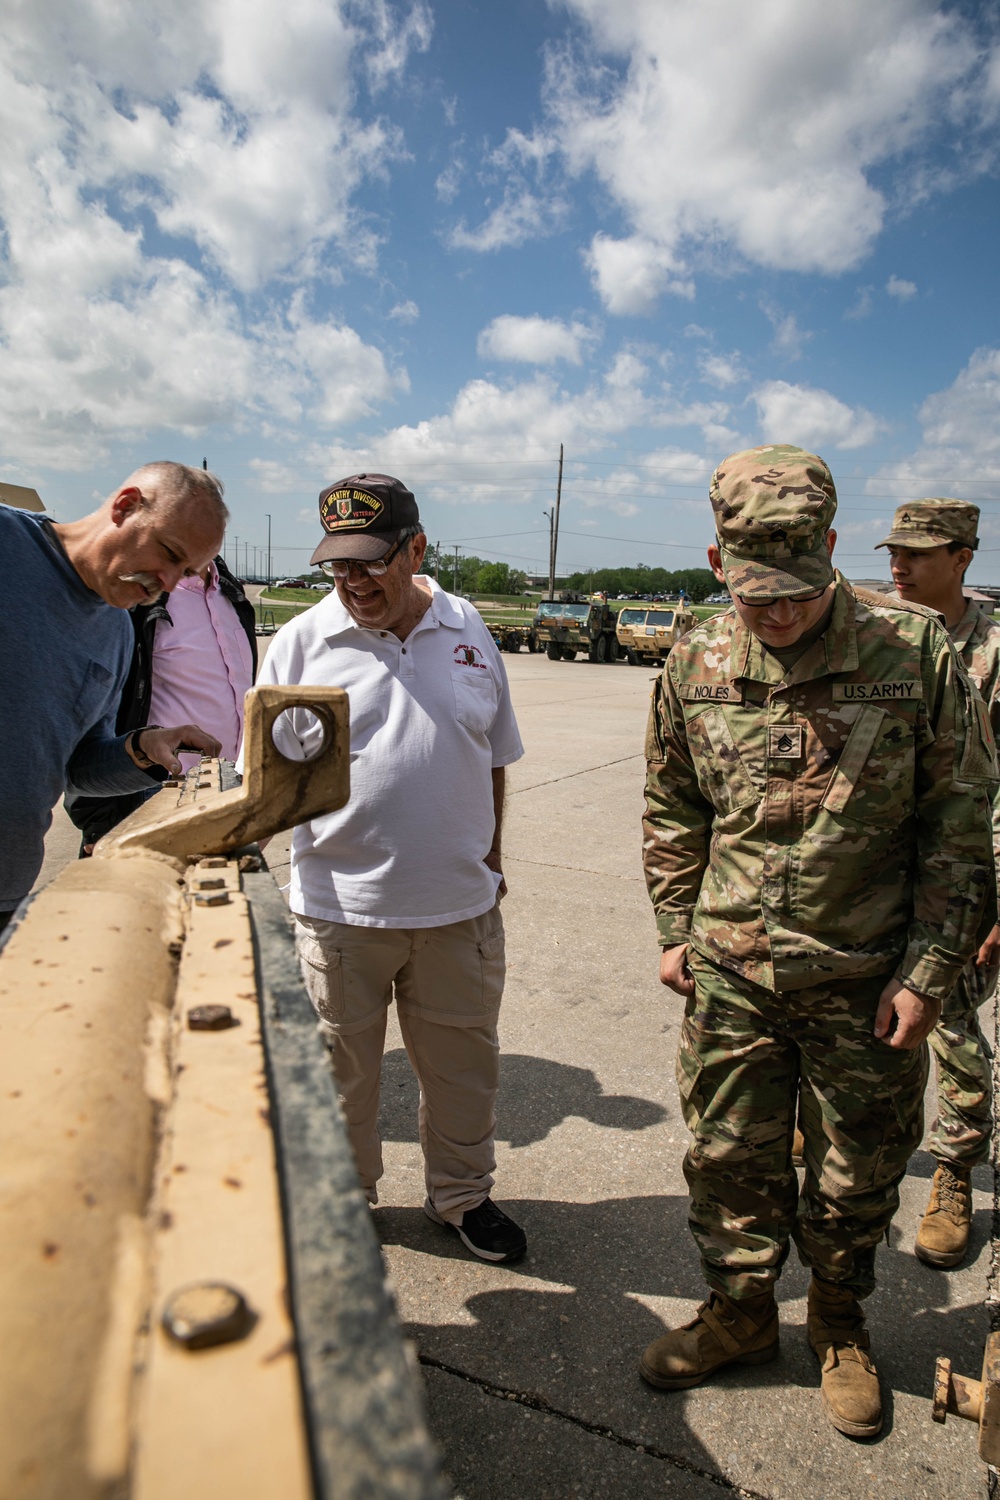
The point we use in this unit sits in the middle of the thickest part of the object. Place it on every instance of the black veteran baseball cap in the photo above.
(773, 508)
(362, 517)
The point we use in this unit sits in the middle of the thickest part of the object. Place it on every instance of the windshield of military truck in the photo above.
(632, 617)
(556, 611)
(659, 619)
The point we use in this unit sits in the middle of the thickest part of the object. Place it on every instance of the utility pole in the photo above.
(455, 584)
(554, 528)
(269, 551)
(437, 563)
(236, 544)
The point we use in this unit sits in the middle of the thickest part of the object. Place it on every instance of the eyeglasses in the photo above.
(784, 599)
(340, 567)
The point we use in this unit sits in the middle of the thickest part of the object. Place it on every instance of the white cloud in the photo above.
(521, 215)
(228, 126)
(960, 450)
(788, 336)
(752, 129)
(812, 418)
(631, 274)
(534, 341)
(722, 370)
(901, 290)
(862, 304)
(405, 312)
(482, 447)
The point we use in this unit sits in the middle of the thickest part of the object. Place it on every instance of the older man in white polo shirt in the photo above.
(397, 895)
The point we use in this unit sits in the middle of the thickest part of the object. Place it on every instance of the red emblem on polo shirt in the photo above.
(465, 656)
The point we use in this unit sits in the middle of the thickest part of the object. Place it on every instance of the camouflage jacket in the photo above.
(826, 822)
(976, 638)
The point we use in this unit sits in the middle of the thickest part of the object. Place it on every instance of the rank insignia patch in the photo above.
(785, 741)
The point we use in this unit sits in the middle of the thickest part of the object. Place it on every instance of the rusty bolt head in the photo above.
(210, 1018)
(210, 882)
(207, 1313)
(211, 898)
(213, 862)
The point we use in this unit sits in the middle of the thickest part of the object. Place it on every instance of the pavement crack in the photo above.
(539, 1403)
(548, 864)
(515, 791)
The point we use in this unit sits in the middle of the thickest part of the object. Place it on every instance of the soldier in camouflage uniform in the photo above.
(817, 849)
(931, 544)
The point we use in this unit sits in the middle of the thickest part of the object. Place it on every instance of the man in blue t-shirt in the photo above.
(66, 644)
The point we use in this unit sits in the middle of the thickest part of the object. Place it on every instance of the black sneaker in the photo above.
(486, 1231)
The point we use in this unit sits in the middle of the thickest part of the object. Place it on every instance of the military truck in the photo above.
(646, 633)
(574, 623)
(509, 637)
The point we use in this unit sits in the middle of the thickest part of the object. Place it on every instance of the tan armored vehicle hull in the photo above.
(192, 1300)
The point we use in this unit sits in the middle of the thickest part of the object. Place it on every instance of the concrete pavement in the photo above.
(530, 1370)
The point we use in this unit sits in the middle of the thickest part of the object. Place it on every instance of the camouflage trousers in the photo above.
(961, 1133)
(749, 1060)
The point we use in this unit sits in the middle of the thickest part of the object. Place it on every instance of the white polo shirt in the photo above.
(431, 717)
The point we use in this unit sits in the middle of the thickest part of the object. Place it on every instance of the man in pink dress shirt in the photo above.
(198, 646)
(202, 656)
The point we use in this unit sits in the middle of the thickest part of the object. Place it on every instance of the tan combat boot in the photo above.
(722, 1332)
(943, 1236)
(836, 1329)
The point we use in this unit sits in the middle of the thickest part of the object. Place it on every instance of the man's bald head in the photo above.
(165, 522)
(167, 487)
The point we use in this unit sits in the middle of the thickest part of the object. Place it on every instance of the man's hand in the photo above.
(915, 1017)
(161, 745)
(492, 862)
(989, 954)
(674, 972)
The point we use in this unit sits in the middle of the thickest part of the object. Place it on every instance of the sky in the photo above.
(322, 237)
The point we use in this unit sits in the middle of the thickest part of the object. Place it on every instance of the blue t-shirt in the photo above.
(64, 658)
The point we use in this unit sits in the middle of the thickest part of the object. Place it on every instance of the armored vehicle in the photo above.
(646, 634)
(571, 624)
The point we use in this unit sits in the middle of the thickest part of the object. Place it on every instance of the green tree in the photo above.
(499, 578)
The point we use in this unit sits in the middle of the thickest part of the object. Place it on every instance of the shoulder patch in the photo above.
(710, 692)
(876, 692)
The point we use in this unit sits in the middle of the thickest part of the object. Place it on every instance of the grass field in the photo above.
(495, 610)
(282, 613)
(296, 596)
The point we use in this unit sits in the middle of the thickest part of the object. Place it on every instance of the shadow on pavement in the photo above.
(536, 1095)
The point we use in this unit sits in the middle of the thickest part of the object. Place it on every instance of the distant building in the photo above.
(986, 594)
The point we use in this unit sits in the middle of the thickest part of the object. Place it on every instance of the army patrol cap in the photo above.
(773, 508)
(933, 523)
(363, 516)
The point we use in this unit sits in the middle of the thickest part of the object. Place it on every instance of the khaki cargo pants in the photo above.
(447, 983)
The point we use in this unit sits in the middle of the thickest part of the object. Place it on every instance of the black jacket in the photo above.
(96, 816)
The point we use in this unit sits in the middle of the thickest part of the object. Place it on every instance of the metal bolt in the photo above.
(211, 898)
(211, 883)
(206, 1314)
(210, 1018)
(213, 862)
